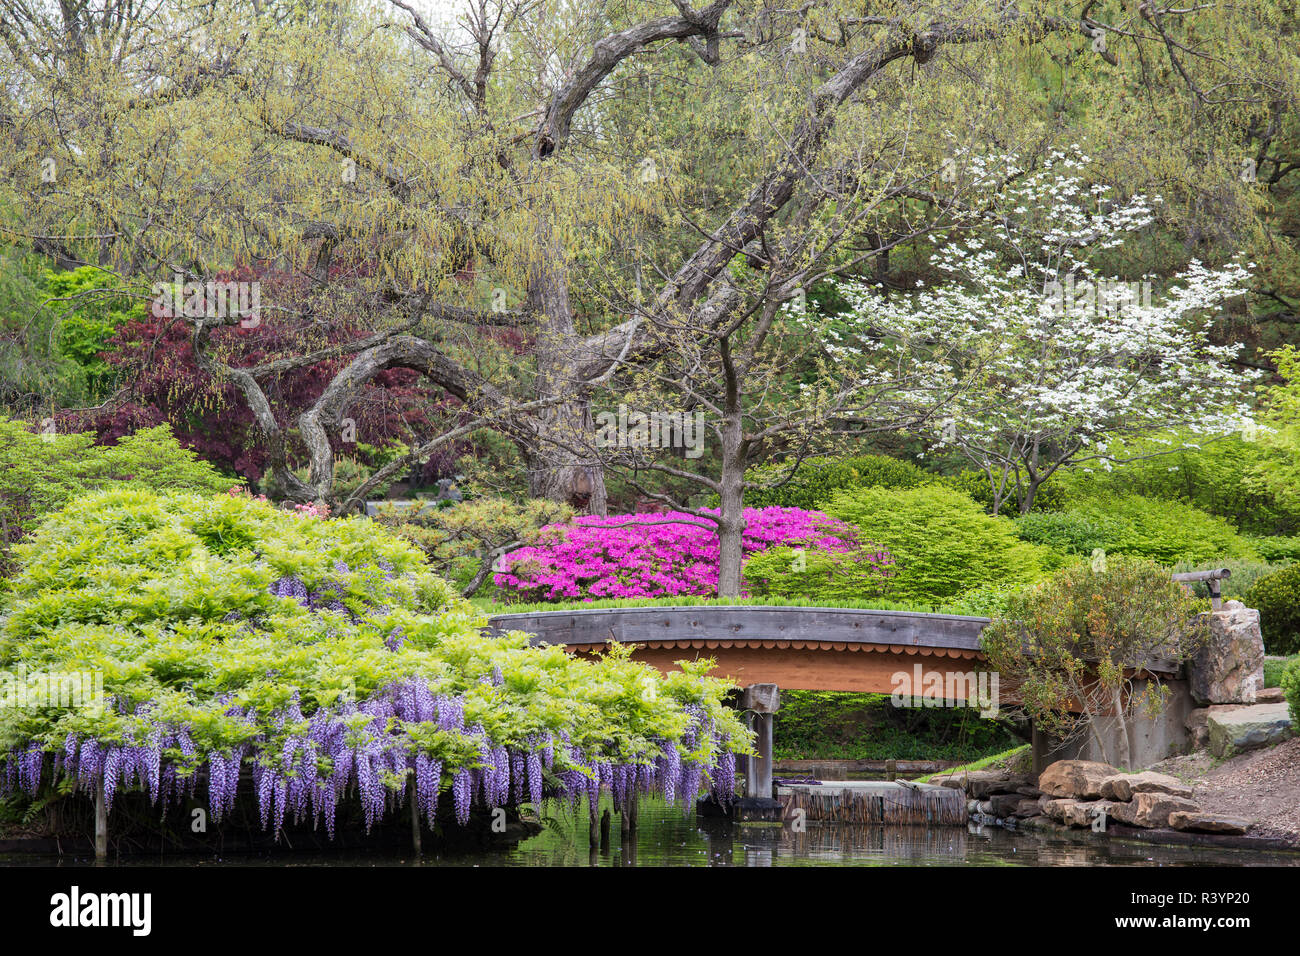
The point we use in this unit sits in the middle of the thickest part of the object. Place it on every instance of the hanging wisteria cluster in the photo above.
(301, 768)
(314, 771)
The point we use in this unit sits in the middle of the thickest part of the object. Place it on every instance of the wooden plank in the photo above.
(847, 625)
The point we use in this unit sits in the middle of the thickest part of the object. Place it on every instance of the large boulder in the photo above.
(1150, 810)
(1246, 728)
(1200, 822)
(1077, 813)
(1122, 786)
(1080, 779)
(1230, 668)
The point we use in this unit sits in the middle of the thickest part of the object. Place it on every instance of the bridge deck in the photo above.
(808, 648)
(746, 623)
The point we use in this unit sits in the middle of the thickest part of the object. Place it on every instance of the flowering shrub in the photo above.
(320, 659)
(653, 555)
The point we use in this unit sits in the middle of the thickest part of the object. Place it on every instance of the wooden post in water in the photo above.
(633, 799)
(891, 769)
(101, 825)
(762, 701)
(417, 843)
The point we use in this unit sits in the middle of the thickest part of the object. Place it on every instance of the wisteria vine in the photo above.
(301, 768)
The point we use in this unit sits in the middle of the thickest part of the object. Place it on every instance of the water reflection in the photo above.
(666, 837)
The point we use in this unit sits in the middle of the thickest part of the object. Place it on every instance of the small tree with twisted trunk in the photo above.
(1092, 643)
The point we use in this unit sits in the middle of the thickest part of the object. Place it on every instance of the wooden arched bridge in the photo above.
(801, 648)
(823, 648)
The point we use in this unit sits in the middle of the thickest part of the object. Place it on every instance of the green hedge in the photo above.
(1277, 596)
(1291, 686)
(943, 543)
(1279, 549)
(818, 478)
(1167, 531)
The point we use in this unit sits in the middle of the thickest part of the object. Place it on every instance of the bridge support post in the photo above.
(758, 804)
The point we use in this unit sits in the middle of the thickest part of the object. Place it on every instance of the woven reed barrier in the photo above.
(938, 806)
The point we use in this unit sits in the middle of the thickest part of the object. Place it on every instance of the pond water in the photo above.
(666, 837)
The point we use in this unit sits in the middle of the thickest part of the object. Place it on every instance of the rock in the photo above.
(1081, 814)
(1076, 813)
(1230, 668)
(1201, 822)
(1122, 786)
(1270, 695)
(1245, 728)
(1027, 808)
(1029, 791)
(1075, 778)
(1056, 809)
(981, 784)
(1005, 804)
(1198, 728)
(1150, 809)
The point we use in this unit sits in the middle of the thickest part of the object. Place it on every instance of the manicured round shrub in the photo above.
(323, 659)
(942, 542)
(817, 478)
(651, 555)
(1277, 596)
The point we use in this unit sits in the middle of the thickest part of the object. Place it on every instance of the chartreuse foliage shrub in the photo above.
(323, 660)
(1277, 596)
(41, 471)
(1219, 478)
(1280, 549)
(817, 478)
(832, 577)
(1167, 531)
(941, 541)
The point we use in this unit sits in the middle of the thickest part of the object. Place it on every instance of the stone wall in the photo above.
(1150, 739)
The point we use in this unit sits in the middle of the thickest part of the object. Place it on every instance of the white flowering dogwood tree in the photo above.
(1059, 365)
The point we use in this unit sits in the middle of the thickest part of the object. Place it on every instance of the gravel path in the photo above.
(1262, 786)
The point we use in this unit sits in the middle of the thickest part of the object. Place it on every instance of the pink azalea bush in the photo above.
(652, 555)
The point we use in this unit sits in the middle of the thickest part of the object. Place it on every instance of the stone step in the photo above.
(1246, 728)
